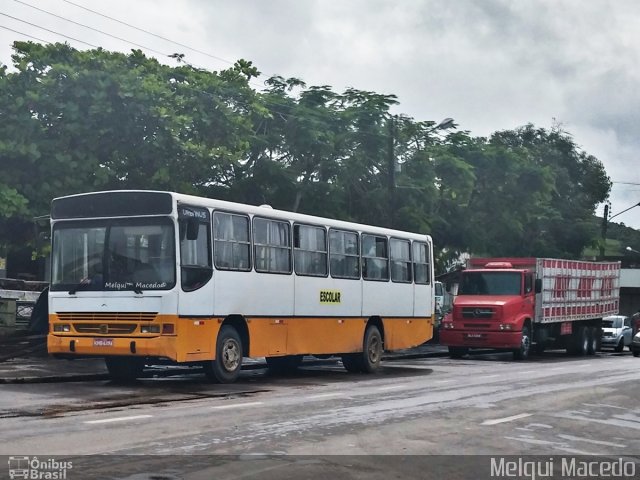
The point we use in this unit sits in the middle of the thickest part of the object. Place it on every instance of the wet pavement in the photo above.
(24, 359)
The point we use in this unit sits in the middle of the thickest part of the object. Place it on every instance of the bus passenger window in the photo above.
(400, 260)
(421, 263)
(310, 250)
(344, 254)
(375, 258)
(231, 242)
(272, 245)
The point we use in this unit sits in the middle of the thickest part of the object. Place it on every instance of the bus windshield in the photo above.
(131, 254)
(490, 283)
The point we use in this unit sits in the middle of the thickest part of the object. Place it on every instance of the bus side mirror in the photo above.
(538, 285)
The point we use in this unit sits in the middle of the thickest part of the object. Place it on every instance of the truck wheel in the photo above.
(124, 369)
(458, 352)
(593, 341)
(583, 341)
(522, 353)
(226, 367)
(286, 364)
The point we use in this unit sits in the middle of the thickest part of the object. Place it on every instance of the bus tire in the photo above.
(286, 364)
(226, 367)
(372, 350)
(124, 369)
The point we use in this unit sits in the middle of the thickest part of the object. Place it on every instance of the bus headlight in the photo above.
(506, 326)
(61, 327)
(150, 329)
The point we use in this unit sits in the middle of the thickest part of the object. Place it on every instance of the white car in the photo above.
(616, 332)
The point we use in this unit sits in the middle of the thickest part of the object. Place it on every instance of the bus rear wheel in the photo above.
(226, 367)
(372, 350)
(124, 369)
(367, 361)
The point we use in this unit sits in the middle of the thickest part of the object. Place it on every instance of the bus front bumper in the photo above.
(69, 346)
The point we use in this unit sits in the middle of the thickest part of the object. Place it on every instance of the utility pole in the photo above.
(605, 220)
(391, 170)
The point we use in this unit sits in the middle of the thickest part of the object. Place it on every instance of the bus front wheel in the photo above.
(226, 367)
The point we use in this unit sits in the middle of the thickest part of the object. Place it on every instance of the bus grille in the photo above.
(107, 316)
(105, 328)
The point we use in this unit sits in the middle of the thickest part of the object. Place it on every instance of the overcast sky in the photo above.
(489, 64)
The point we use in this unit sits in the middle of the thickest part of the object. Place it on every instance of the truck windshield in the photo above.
(490, 283)
(131, 254)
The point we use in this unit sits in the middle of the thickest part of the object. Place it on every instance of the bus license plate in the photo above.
(103, 342)
(474, 335)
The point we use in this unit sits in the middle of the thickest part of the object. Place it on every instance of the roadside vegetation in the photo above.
(76, 121)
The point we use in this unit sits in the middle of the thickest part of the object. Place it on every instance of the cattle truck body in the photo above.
(520, 304)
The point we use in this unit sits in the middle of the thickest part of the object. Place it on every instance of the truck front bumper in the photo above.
(459, 338)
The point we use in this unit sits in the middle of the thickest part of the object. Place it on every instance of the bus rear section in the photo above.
(142, 278)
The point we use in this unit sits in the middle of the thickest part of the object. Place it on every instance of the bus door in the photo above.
(196, 271)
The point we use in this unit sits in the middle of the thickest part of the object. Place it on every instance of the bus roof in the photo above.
(263, 211)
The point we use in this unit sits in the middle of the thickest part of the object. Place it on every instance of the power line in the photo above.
(25, 34)
(91, 28)
(149, 33)
(48, 30)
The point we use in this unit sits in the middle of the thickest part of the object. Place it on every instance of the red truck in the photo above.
(529, 304)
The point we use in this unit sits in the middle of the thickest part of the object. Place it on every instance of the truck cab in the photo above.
(494, 308)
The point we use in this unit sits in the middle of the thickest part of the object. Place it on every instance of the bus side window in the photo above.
(375, 258)
(400, 260)
(310, 250)
(421, 265)
(272, 245)
(344, 257)
(231, 245)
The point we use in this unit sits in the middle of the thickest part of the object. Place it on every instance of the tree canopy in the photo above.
(76, 121)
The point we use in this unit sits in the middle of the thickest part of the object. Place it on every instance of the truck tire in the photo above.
(582, 347)
(458, 352)
(636, 353)
(523, 352)
(226, 367)
(593, 341)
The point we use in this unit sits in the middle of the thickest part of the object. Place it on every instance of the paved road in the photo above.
(484, 404)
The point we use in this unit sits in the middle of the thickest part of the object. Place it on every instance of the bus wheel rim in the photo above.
(374, 350)
(230, 355)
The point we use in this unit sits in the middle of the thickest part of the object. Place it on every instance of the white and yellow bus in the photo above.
(146, 277)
